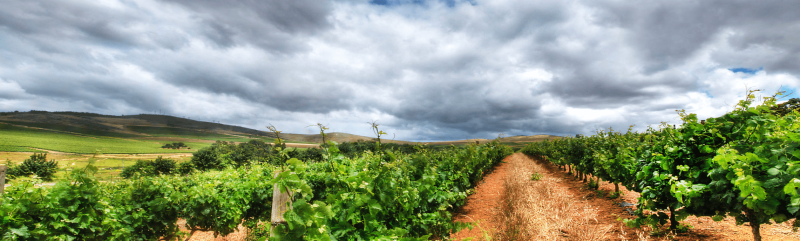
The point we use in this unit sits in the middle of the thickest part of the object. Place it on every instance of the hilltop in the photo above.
(148, 125)
(171, 128)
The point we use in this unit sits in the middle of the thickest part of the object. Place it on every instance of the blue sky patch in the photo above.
(791, 93)
(746, 70)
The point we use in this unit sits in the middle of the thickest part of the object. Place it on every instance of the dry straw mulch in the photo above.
(543, 209)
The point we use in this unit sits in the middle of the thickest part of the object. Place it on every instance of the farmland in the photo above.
(342, 189)
(174, 132)
(741, 165)
(332, 197)
(13, 148)
(63, 142)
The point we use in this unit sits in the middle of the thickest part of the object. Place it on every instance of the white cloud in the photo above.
(11, 90)
(428, 71)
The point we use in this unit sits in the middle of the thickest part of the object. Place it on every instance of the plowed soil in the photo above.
(485, 207)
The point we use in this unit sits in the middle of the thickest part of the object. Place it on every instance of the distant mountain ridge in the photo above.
(118, 124)
(125, 125)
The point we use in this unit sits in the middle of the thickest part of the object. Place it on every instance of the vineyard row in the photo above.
(744, 164)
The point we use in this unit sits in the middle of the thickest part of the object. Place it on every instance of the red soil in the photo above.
(484, 206)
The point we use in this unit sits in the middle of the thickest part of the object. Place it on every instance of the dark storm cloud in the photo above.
(604, 88)
(59, 26)
(463, 103)
(667, 32)
(665, 35)
(425, 69)
(272, 24)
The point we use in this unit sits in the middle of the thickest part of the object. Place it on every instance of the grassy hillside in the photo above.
(13, 148)
(108, 125)
(71, 129)
(86, 132)
(16, 138)
(175, 132)
(74, 132)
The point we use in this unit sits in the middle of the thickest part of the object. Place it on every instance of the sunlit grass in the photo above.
(62, 142)
(109, 165)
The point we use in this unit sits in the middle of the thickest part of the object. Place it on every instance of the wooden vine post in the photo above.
(2, 179)
(281, 202)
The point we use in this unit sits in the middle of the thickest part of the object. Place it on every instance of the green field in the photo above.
(13, 136)
(190, 134)
(5, 147)
(73, 129)
(108, 168)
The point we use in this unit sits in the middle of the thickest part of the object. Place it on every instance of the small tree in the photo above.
(37, 164)
(164, 166)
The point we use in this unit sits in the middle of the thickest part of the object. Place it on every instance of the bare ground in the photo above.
(558, 206)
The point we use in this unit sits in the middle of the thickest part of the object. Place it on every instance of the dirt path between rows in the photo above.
(508, 205)
(483, 208)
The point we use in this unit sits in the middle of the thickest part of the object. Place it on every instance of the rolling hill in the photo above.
(161, 129)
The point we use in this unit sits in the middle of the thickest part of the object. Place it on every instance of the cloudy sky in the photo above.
(425, 70)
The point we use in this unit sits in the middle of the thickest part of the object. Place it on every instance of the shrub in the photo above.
(185, 168)
(156, 167)
(174, 145)
(164, 166)
(141, 167)
(36, 164)
(311, 154)
(206, 158)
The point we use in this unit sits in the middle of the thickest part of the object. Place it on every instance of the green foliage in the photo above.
(159, 166)
(258, 232)
(787, 107)
(310, 154)
(536, 176)
(37, 165)
(50, 140)
(164, 166)
(209, 157)
(175, 145)
(69, 210)
(592, 184)
(378, 196)
(11, 148)
(219, 200)
(185, 168)
(378, 133)
(226, 154)
(742, 164)
(304, 220)
(355, 149)
(141, 167)
(145, 209)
